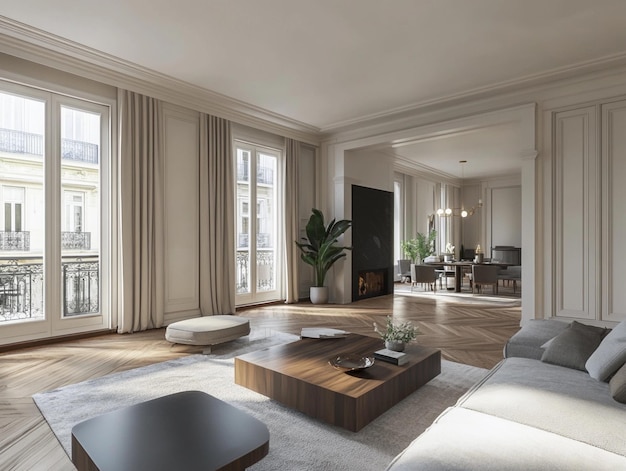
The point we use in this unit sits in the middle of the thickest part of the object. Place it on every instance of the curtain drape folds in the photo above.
(290, 178)
(141, 213)
(217, 217)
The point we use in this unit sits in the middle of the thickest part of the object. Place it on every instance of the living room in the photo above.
(557, 92)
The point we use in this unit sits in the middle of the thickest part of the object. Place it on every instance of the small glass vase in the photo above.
(394, 345)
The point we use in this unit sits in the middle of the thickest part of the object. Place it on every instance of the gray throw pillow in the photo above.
(572, 347)
(617, 385)
(610, 354)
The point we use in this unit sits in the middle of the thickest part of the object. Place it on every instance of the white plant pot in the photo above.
(319, 294)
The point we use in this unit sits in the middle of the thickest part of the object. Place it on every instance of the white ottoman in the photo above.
(207, 330)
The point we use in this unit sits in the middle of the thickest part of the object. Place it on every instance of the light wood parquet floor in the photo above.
(467, 329)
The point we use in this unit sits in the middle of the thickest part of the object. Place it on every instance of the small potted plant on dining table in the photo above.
(396, 336)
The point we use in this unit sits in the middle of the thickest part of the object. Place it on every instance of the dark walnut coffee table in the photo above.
(298, 375)
(190, 430)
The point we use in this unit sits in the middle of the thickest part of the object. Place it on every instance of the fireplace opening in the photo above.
(372, 283)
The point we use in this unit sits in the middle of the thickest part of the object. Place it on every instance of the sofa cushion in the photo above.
(462, 439)
(528, 341)
(610, 354)
(572, 347)
(552, 398)
(617, 385)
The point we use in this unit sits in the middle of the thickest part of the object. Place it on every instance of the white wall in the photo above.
(181, 296)
(506, 216)
(370, 169)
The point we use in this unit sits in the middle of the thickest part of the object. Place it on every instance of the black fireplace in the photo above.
(372, 242)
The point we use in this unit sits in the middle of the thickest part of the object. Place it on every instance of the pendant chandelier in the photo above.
(449, 212)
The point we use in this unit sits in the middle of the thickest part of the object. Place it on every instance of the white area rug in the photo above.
(297, 442)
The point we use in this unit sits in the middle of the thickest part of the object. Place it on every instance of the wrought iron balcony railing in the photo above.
(263, 240)
(79, 150)
(264, 175)
(22, 288)
(15, 241)
(76, 240)
(264, 271)
(20, 142)
(81, 287)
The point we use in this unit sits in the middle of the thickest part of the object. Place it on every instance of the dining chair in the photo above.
(484, 275)
(424, 274)
(404, 269)
(512, 273)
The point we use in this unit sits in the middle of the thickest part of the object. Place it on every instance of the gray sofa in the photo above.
(528, 414)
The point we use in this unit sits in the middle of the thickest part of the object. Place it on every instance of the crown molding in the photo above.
(38, 46)
(415, 169)
(499, 88)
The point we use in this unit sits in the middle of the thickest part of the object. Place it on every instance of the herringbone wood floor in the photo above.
(469, 330)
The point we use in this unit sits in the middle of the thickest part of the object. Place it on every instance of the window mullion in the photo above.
(52, 189)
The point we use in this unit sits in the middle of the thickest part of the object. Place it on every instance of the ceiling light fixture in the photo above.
(462, 212)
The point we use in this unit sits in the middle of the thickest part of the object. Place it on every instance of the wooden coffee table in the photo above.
(298, 375)
(190, 430)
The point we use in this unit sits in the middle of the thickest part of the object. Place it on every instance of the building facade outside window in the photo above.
(52, 150)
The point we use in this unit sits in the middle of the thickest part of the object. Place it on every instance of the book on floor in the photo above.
(397, 358)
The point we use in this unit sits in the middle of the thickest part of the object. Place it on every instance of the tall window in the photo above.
(13, 198)
(54, 150)
(257, 257)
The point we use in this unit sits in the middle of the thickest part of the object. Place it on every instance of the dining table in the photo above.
(458, 269)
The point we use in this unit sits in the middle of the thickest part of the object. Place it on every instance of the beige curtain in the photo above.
(217, 217)
(141, 213)
(292, 253)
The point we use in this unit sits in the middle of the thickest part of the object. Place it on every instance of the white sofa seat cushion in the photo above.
(466, 440)
(559, 400)
(207, 330)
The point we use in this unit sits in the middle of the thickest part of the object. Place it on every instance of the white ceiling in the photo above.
(488, 151)
(329, 63)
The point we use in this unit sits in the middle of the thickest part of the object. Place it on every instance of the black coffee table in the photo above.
(190, 430)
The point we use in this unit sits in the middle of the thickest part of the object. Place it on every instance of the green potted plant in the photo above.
(396, 336)
(420, 247)
(425, 246)
(320, 250)
(409, 247)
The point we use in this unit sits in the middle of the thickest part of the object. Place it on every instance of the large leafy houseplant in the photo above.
(420, 247)
(409, 247)
(319, 247)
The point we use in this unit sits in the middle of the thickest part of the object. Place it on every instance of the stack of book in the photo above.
(397, 358)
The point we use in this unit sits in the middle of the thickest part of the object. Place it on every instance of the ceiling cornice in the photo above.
(38, 46)
(511, 86)
(411, 167)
